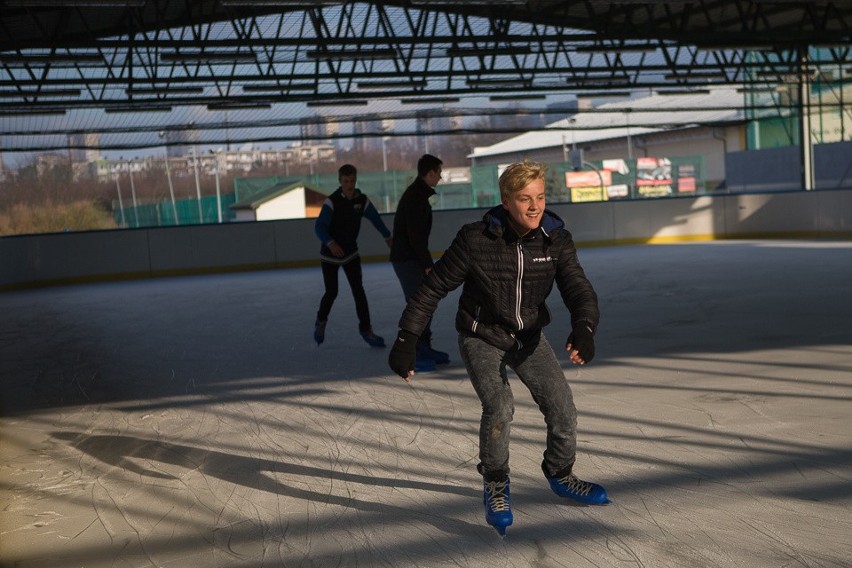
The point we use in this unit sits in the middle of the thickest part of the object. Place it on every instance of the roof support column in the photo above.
(805, 142)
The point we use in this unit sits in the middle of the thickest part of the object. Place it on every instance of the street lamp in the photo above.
(197, 183)
(629, 141)
(216, 155)
(120, 202)
(171, 185)
(386, 126)
(571, 121)
(133, 193)
(384, 153)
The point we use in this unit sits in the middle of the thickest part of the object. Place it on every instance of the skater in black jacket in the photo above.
(410, 254)
(337, 228)
(508, 264)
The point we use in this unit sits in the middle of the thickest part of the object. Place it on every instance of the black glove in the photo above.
(582, 339)
(403, 353)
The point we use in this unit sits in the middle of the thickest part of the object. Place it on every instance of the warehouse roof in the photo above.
(636, 116)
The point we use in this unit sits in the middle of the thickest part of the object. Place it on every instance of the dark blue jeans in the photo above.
(538, 368)
(411, 274)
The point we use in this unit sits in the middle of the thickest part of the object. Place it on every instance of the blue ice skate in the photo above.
(319, 331)
(425, 352)
(498, 511)
(581, 491)
(372, 339)
(424, 365)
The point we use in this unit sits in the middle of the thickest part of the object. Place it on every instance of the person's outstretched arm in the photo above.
(581, 300)
(372, 215)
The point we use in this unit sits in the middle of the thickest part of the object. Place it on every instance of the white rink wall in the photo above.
(63, 258)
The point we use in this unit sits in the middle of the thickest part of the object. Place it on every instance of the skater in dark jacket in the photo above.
(410, 254)
(508, 264)
(337, 228)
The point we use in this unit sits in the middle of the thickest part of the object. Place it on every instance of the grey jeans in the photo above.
(538, 368)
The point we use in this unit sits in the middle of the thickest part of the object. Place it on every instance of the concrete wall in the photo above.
(134, 253)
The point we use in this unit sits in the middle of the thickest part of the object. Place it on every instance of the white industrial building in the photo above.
(658, 125)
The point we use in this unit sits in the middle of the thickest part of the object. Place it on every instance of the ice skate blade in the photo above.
(573, 503)
(501, 529)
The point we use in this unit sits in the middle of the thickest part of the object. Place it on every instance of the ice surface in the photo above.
(193, 422)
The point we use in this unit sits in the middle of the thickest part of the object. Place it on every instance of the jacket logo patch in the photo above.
(543, 259)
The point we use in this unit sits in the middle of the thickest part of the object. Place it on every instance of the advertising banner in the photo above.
(644, 177)
(586, 185)
(618, 165)
(654, 177)
(619, 190)
(686, 178)
(588, 178)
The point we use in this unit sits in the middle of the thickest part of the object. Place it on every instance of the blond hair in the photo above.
(519, 175)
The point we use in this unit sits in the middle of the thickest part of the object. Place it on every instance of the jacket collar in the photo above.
(421, 185)
(497, 222)
(339, 191)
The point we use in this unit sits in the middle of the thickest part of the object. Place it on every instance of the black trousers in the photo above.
(411, 274)
(352, 270)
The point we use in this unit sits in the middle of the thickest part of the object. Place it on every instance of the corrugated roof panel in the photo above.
(634, 116)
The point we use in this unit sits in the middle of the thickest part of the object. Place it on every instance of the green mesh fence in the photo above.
(773, 132)
(627, 179)
(163, 214)
(485, 189)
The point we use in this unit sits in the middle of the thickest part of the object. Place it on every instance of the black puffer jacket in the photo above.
(506, 281)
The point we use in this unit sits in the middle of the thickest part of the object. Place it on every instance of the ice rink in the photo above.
(193, 423)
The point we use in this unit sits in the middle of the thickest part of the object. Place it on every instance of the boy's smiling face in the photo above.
(525, 207)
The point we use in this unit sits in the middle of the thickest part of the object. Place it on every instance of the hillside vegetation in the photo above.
(46, 197)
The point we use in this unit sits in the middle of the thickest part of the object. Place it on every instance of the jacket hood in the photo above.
(497, 221)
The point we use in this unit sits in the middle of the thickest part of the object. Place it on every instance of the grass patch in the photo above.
(28, 219)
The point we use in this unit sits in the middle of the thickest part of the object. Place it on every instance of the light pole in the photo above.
(218, 192)
(386, 126)
(171, 185)
(197, 183)
(384, 153)
(629, 141)
(571, 122)
(171, 189)
(120, 203)
(133, 194)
